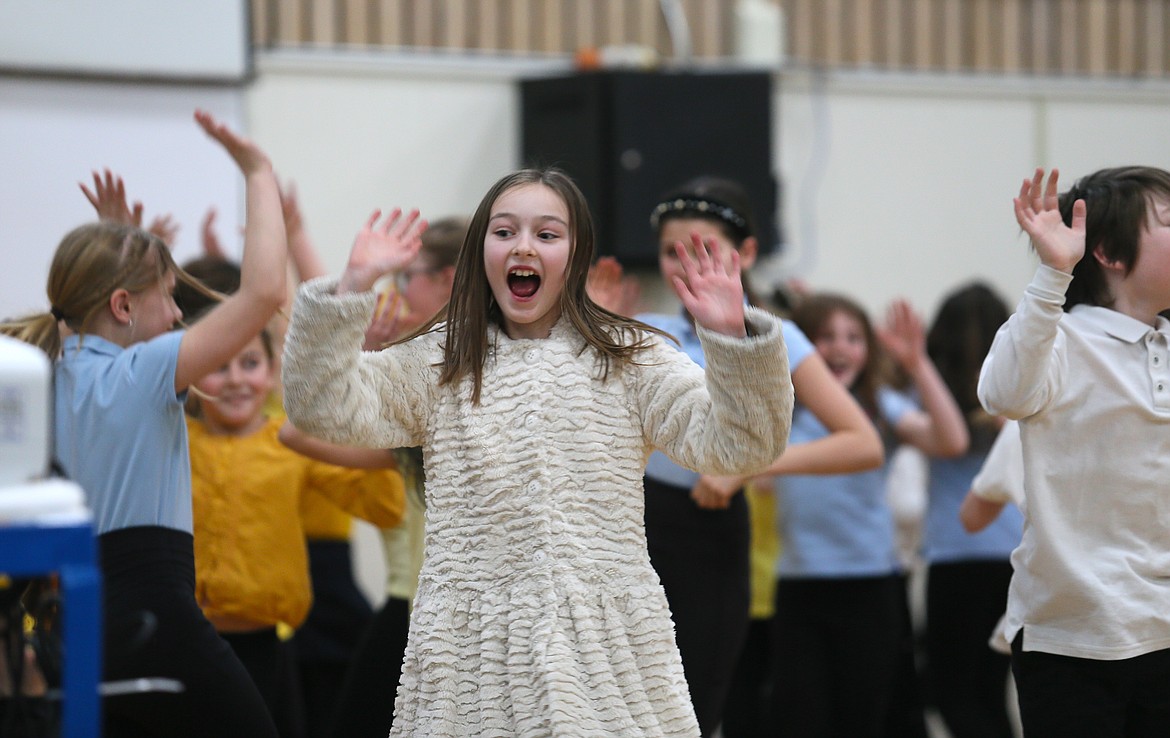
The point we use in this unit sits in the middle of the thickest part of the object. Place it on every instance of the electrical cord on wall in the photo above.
(678, 28)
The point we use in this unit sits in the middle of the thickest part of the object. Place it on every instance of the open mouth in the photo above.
(838, 368)
(523, 283)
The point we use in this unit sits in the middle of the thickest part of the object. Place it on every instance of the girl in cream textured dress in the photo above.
(538, 613)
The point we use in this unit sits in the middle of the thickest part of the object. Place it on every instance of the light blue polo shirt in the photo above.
(943, 537)
(660, 468)
(120, 431)
(837, 525)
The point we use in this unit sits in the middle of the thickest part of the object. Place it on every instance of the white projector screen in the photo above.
(54, 132)
(158, 39)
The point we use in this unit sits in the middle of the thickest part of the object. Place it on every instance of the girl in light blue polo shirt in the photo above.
(840, 596)
(121, 378)
(968, 574)
(698, 525)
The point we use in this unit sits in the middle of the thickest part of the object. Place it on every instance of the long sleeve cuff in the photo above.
(1049, 285)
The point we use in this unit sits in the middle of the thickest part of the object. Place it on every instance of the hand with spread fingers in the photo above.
(903, 336)
(382, 248)
(108, 198)
(165, 227)
(711, 290)
(1037, 209)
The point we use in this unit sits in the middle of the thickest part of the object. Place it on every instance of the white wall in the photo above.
(54, 132)
(357, 133)
(892, 185)
(903, 186)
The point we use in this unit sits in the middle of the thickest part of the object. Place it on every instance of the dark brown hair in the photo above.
(958, 342)
(1117, 203)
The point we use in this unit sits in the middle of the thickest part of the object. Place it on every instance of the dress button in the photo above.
(533, 488)
(530, 420)
(531, 355)
(538, 557)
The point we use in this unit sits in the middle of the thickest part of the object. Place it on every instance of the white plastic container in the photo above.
(759, 32)
(25, 382)
(52, 501)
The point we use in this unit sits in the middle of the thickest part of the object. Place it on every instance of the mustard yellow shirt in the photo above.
(765, 550)
(322, 519)
(250, 557)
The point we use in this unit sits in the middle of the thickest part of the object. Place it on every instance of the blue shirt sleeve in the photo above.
(893, 404)
(153, 364)
(799, 347)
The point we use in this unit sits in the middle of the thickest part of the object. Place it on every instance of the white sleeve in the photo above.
(1001, 479)
(733, 418)
(336, 391)
(1025, 367)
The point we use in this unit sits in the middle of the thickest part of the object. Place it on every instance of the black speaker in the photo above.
(627, 137)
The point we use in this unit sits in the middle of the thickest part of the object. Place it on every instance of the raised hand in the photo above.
(108, 198)
(607, 287)
(165, 227)
(304, 256)
(903, 335)
(711, 291)
(392, 320)
(247, 155)
(382, 249)
(385, 326)
(290, 207)
(212, 248)
(1037, 211)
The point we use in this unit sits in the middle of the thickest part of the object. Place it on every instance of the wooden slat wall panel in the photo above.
(1011, 33)
(390, 23)
(1127, 51)
(1069, 37)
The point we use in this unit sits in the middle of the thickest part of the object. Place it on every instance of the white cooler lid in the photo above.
(46, 502)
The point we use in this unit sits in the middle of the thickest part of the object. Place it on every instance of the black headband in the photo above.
(698, 206)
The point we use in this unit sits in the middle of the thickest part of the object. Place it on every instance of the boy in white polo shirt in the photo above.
(1089, 604)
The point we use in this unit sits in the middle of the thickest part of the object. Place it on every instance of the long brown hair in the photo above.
(958, 342)
(813, 312)
(90, 263)
(615, 338)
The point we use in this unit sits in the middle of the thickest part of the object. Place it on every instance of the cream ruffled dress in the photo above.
(537, 612)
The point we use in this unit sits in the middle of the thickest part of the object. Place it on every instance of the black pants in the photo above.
(745, 714)
(1086, 698)
(701, 556)
(272, 665)
(745, 709)
(365, 707)
(968, 680)
(835, 653)
(906, 717)
(154, 628)
(328, 639)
